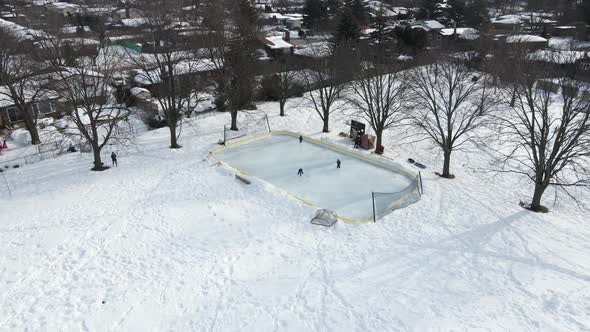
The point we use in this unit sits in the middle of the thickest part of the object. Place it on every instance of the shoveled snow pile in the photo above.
(169, 240)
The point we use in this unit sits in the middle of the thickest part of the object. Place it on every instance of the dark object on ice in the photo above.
(243, 179)
(338, 163)
(300, 139)
(114, 159)
(16, 166)
(380, 149)
(411, 161)
(300, 172)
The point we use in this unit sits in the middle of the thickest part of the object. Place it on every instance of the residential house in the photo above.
(433, 29)
(459, 37)
(507, 24)
(44, 104)
(276, 46)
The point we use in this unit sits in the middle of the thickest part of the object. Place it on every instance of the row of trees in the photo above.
(536, 131)
(85, 84)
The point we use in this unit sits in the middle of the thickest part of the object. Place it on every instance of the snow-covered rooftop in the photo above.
(29, 94)
(557, 56)
(463, 33)
(507, 19)
(183, 67)
(314, 50)
(525, 39)
(21, 33)
(133, 22)
(428, 25)
(277, 43)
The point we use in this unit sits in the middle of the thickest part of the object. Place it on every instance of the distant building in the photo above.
(44, 105)
(530, 42)
(276, 46)
(433, 29)
(507, 24)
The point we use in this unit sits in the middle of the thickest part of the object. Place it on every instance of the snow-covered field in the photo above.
(169, 241)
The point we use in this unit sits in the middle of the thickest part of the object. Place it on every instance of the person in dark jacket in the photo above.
(300, 139)
(300, 172)
(338, 163)
(114, 159)
(357, 141)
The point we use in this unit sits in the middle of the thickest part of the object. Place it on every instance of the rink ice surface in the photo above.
(276, 158)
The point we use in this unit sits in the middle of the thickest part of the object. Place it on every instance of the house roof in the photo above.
(428, 25)
(6, 100)
(507, 19)
(463, 33)
(514, 39)
(559, 57)
(183, 67)
(276, 43)
(314, 50)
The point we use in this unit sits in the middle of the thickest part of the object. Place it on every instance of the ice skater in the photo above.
(300, 139)
(114, 159)
(338, 163)
(300, 172)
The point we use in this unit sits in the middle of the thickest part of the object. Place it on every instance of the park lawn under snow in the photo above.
(170, 241)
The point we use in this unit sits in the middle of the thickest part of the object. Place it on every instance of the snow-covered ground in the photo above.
(169, 241)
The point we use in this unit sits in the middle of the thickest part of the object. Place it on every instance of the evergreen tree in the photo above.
(347, 30)
(429, 9)
(314, 13)
(359, 10)
(476, 14)
(333, 7)
(584, 10)
(456, 11)
(381, 37)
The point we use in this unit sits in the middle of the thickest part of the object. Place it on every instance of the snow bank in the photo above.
(21, 136)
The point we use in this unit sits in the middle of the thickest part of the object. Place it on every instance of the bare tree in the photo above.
(546, 133)
(232, 49)
(171, 70)
(283, 84)
(86, 87)
(446, 102)
(324, 82)
(20, 82)
(380, 97)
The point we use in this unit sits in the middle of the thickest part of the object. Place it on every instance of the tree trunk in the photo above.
(326, 128)
(173, 140)
(31, 126)
(98, 166)
(513, 99)
(538, 193)
(447, 164)
(379, 134)
(282, 106)
(234, 120)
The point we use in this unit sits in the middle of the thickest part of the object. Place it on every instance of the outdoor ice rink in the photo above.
(276, 158)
